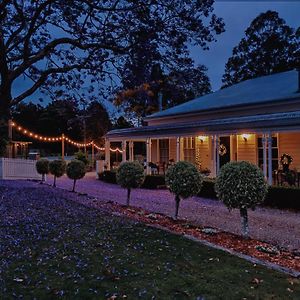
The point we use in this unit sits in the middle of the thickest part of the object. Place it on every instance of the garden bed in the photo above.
(254, 248)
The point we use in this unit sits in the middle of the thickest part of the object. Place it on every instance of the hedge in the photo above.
(154, 182)
(277, 197)
(283, 197)
(150, 182)
(108, 176)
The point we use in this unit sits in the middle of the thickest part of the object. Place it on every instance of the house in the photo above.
(256, 120)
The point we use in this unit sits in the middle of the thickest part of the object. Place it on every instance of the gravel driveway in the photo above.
(280, 227)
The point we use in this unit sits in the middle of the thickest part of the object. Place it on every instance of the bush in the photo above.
(108, 176)
(82, 157)
(184, 180)
(42, 167)
(241, 185)
(57, 169)
(130, 175)
(76, 170)
(283, 197)
(208, 189)
(154, 181)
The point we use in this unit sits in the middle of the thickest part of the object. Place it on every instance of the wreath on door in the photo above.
(222, 150)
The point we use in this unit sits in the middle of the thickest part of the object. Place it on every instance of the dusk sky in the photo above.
(238, 16)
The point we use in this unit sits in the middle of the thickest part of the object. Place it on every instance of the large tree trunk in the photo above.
(244, 220)
(177, 200)
(54, 181)
(5, 115)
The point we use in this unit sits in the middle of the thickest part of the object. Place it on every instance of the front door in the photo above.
(224, 150)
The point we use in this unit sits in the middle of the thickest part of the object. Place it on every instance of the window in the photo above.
(189, 149)
(164, 150)
(274, 153)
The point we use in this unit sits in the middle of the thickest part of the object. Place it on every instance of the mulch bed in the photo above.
(254, 248)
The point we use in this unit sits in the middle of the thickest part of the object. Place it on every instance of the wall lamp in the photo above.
(245, 137)
(201, 138)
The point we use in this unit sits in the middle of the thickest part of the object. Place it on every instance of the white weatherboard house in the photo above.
(256, 120)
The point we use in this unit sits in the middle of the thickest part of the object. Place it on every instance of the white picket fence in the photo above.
(15, 168)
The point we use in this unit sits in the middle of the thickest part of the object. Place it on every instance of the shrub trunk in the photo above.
(244, 220)
(177, 200)
(74, 183)
(128, 196)
(54, 181)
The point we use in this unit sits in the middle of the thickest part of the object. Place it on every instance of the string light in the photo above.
(59, 138)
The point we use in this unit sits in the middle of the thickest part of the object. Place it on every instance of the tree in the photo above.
(57, 168)
(241, 185)
(183, 82)
(130, 175)
(42, 167)
(122, 123)
(59, 46)
(270, 46)
(76, 170)
(97, 122)
(183, 180)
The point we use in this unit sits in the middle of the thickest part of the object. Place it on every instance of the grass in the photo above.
(56, 248)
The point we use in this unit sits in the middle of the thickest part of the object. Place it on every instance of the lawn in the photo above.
(53, 247)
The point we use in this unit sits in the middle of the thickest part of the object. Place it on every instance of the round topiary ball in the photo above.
(76, 170)
(42, 167)
(241, 185)
(183, 179)
(57, 169)
(130, 175)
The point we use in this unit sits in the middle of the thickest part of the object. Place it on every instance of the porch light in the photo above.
(201, 138)
(245, 136)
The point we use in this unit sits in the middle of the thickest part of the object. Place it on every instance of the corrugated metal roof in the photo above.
(249, 123)
(254, 91)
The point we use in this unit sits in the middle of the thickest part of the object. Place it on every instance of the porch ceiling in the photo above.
(250, 124)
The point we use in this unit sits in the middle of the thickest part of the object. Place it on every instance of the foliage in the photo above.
(178, 86)
(130, 175)
(57, 168)
(108, 176)
(72, 49)
(97, 122)
(82, 157)
(122, 123)
(154, 182)
(283, 197)
(241, 185)
(183, 180)
(270, 46)
(208, 189)
(76, 169)
(66, 235)
(42, 167)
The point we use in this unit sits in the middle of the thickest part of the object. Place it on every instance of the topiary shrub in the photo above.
(57, 169)
(42, 167)
(82, 157)
(183, 180)
(76, 170)
(130, 175)
(241, 185)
